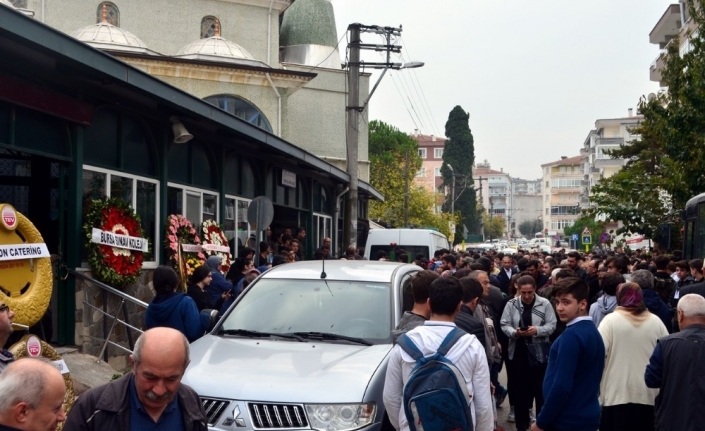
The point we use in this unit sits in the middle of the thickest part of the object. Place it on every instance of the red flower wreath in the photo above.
(213, 234)
(117, 267)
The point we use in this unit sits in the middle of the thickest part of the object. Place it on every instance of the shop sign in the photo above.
(9, 217)
(23, 251)
(195, 248)
(119, 241)
(288, 179)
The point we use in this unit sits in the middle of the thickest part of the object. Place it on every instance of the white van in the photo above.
(414, 241)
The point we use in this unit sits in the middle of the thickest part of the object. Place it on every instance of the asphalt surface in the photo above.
(503, 410)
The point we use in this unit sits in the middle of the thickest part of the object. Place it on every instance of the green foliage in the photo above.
(595, 227)
(494, 227)
(666, 163)
(388, 151)
(459, 152)
(528, 228)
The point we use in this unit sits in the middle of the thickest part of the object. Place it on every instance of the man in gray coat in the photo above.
(149, 395)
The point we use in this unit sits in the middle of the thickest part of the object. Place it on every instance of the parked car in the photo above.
(303, 347)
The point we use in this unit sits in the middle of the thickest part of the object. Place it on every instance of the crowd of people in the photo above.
(583, 337)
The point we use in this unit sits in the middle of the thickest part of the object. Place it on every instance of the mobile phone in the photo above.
(523, 327)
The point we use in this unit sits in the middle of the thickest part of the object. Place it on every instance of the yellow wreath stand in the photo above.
(19, 350)
(25, 285)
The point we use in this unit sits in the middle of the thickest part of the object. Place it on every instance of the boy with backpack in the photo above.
(437, 375)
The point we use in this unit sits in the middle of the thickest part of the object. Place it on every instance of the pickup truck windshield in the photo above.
(349, 308)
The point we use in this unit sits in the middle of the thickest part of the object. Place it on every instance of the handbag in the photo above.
(537, 353)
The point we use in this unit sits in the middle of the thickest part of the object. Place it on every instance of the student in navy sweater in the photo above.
(575, 364)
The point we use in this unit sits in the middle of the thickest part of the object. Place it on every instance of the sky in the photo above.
(533, 74)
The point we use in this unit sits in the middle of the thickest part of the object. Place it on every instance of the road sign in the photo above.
(575, 237)
(586, 232)
(587, 239)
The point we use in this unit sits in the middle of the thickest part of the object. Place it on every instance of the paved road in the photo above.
(503, 410)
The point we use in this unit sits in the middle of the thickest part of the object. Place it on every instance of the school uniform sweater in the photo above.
(572, 383)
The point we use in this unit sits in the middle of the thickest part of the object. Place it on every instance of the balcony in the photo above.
(656, 68)
(608, 141)
(667, 27)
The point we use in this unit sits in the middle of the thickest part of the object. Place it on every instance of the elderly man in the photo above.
(674, 370)
(32, 396)
(6, 316)
(151, 397)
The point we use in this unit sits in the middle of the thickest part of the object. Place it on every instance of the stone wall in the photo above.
(90, 322)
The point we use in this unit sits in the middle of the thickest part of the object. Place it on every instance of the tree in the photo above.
(389, 173)
(528, 228)
(493, 226)
(665, 164)
(459, 152)
(595, 227)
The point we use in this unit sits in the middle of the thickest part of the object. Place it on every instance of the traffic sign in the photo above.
(587, 239)
(575, 237)
(586, 232)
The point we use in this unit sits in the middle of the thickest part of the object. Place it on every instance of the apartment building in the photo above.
(525, 203)
(562, 180)
(431, 153)
(609, 134)
(675, 21)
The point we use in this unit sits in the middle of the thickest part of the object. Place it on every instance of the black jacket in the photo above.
(107, 408)
(202, 299)
(698, 288)
(468, 323)
(504, 280)
(674, 369)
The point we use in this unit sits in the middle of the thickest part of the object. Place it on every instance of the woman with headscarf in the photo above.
(630, 335)
(218, 285)
(199, 281)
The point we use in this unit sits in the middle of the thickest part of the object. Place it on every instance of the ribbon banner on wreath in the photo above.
(215, 243)
(183, 246)
(115, 242)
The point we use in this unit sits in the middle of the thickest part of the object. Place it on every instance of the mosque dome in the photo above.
(308, 35)
(219, 49)
(109, 37)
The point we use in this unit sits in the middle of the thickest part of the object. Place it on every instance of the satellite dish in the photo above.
(651, 97)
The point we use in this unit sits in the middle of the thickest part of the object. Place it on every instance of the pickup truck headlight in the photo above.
(340, 417)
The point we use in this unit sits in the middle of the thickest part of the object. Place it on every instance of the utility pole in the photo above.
(354, 108)
(482, 202)
(406, 190)
(352, 136)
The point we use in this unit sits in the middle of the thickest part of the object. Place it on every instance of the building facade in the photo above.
(526, 205)
(609, 134)
(675, 22)
(562, 180)
(431, 154)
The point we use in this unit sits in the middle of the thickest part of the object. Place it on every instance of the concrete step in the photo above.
(87, 371)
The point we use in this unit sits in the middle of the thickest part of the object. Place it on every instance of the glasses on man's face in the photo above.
(4, 307)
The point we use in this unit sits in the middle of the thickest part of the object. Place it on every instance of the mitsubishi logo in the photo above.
(239, 422)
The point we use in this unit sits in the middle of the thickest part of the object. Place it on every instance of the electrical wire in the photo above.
(331, 53)
(404, 102)
(423, 93)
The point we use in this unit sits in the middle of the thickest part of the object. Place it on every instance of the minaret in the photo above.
(308, 35)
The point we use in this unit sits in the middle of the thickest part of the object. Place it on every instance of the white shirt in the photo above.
(578, 319)
(467, 354)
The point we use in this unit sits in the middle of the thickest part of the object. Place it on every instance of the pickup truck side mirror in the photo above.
(211, 316)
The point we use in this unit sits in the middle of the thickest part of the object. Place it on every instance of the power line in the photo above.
(407, 90)
(430, 111)
(331, 53)
(404, 102)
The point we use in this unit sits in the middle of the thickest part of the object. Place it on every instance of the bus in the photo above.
(694, 224)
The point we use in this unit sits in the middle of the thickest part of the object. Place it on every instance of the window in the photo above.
(565, 183)
(112, 14)
(194, 204)
(564, 210)
(208, 26)
(437, 172)
(237, 229)
(602, 151)
(421, 172)
(322, 228)
(561, 224)
(422, 153)
(240, 108)
(438, 153)
(141, 193)
(547, 184)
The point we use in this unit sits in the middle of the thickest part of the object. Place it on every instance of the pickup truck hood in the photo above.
(277, 370)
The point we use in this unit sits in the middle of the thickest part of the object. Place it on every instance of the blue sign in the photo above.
(575, 237)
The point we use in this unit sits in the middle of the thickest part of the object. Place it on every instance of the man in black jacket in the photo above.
(505, 274)
(465, 320)
(674, 371)
(152, 393)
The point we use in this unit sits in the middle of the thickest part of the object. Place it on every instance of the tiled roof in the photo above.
(576, 160)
